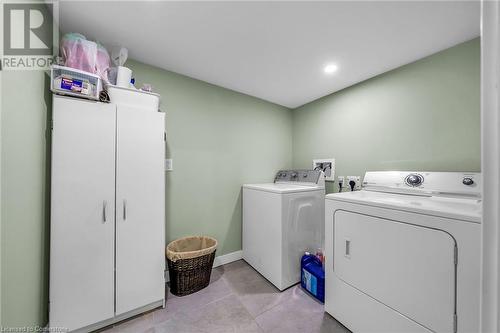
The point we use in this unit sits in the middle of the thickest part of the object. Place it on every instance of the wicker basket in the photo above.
(190, 262)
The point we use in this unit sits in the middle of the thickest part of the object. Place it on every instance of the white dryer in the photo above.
(281, 220)
(403, 254)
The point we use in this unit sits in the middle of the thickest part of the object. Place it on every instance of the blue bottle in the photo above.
(312, 276)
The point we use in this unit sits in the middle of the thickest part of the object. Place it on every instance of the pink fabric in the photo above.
(78, 52)
(85, 55)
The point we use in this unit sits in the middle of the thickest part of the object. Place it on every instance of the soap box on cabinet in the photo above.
(133, 97)
(74, 82)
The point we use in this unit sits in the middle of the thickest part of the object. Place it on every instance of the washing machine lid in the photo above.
(466, 209)
(283, 187)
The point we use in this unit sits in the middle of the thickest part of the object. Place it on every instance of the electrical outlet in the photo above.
(356, 179)
(169, 164)
(341, 183)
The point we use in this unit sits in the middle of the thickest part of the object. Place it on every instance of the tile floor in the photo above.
(238, 299)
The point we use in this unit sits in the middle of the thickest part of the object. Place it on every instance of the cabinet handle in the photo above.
(124, 209)
(104, 204)
(347, 248)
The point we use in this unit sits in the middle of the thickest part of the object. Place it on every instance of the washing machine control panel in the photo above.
(299, 176)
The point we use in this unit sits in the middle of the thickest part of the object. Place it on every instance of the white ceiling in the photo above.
(276, 50)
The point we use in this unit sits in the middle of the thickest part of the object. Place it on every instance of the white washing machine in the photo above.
(403, 254)
(281, 221)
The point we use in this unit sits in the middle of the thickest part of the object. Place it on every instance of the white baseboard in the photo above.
(220, 260)
(228, 258)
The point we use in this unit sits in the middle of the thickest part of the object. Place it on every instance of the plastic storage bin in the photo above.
(190, 261)
(74, 82)
(313, 276)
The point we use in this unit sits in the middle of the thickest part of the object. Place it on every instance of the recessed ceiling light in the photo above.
(330, 68)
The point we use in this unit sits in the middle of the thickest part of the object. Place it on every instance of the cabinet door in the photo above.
(140, 208)
(82, 213)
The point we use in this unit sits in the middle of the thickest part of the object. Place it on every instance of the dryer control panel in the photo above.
(425, 183)
(298, 176)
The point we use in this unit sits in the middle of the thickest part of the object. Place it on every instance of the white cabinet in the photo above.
(140, 202)
(107, 213)
(82, 214)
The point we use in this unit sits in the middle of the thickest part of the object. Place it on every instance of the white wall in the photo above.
(490, 125)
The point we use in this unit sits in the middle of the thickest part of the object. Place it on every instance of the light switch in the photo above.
(169, 164)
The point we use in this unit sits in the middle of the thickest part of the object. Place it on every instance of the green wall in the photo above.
(422, 116)
(218, 140)
(24, 199)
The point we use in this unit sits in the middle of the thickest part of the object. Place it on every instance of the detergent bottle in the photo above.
(313, 276)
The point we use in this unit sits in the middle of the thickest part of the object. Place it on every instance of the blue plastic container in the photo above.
(312, 276)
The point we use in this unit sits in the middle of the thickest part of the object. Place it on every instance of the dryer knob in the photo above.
(414, 179)
(468, 181)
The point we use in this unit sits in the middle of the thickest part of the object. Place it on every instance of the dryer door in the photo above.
(409, 268)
